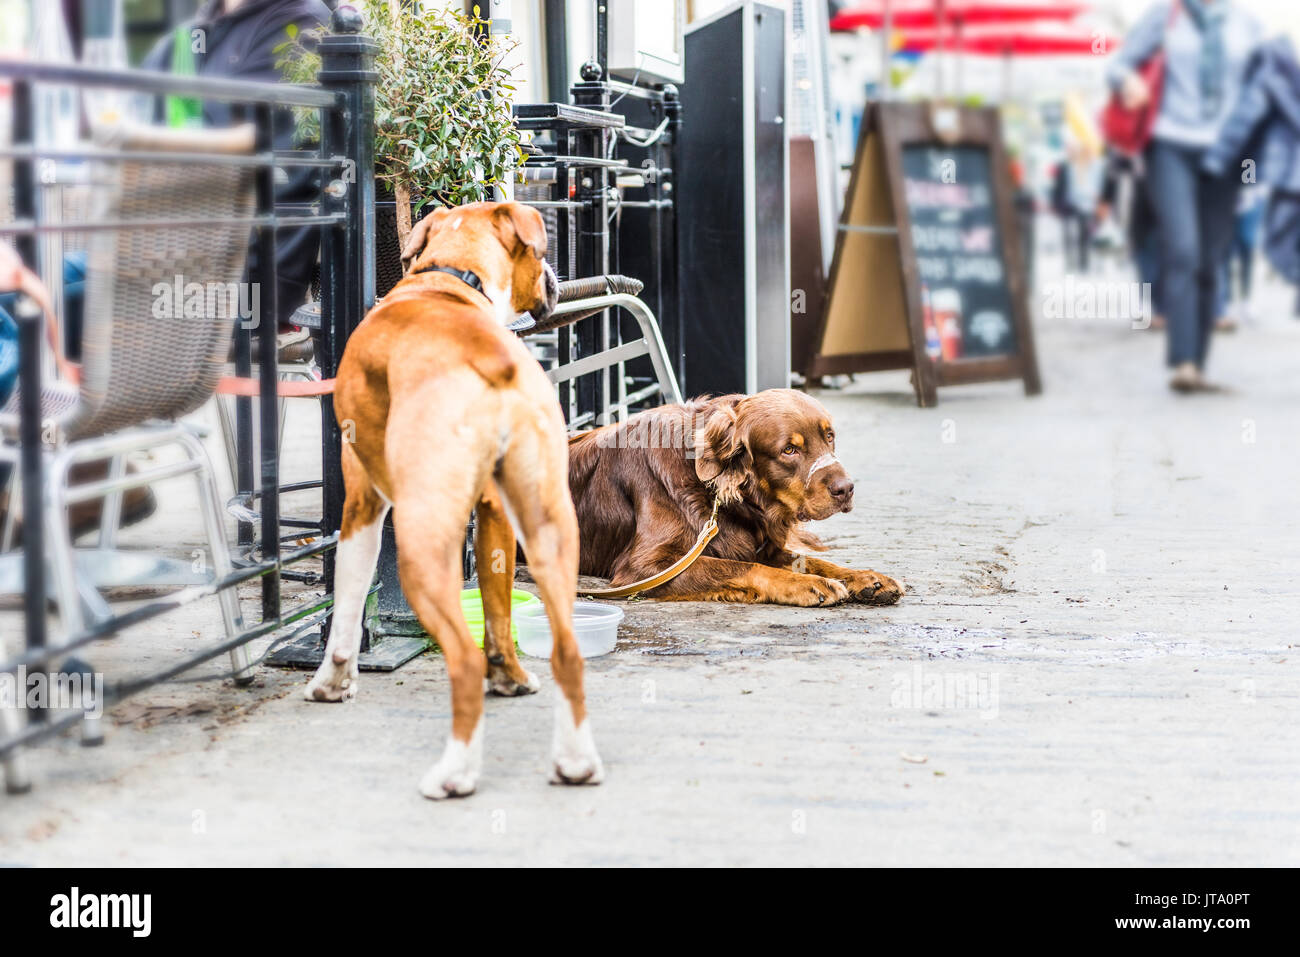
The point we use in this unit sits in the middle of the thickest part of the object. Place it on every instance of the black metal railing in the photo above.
(344, 214)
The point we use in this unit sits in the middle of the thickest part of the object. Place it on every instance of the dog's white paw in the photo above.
(504, 685)
(574, 759)
(333, 681)
(456, 773)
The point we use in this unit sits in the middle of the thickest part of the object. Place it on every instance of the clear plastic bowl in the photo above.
(594, 625)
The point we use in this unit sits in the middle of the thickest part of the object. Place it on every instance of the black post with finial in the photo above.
(347, 249)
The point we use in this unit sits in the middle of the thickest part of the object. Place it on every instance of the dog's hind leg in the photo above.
(429, 560)
(430, 512)
(534, 480)
(364, 510)
(494, 557)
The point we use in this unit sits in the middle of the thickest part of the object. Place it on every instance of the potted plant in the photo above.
(444, 132)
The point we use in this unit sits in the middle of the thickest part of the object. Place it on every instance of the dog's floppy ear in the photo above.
(519, 224)
(722, 455)
(419, 237)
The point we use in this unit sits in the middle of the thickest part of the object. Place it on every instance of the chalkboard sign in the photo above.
(927, 272)
(965, 301)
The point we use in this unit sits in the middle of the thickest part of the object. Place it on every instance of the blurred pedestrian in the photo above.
(1076, 194)
(1207, 46)
(1236, 278)
(1261, 139)
(1126, 199)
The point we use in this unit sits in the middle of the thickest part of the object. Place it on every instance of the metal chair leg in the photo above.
(62, 559)
(650, 344)
(228, 438)
(658, 354)
(284, 411)
(14, 487)
(70, 591)
(228, 434)
(214, 524)
(77, 597)
(17, 780)
(110, 516)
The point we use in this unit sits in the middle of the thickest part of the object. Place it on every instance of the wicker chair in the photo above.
(144, 366)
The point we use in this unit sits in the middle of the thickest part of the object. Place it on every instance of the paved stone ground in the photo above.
(1096, 663)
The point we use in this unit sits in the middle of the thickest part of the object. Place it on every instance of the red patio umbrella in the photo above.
(926, 13)
(1035, 44)
(1005, 41)
(959, 15)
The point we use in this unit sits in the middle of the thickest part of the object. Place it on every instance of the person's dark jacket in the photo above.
(1141, 217)
(1265, 126)
(1265, 123)
(1062, 182)
(240, 45)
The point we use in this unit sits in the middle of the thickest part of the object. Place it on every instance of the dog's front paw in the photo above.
(456, 773)
(333, 681)
(574, 759)
(813, 591)
(872, 588)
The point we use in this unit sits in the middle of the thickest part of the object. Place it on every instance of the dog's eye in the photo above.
(830, 437)
(790, 450)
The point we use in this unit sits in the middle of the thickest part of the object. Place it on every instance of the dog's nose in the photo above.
(550, 296)
(841, 489)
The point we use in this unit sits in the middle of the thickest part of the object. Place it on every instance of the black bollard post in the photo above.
(347, 257)
(30, 438)
(347, 294)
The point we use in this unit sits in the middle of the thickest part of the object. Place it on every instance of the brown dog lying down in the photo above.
(645, 487)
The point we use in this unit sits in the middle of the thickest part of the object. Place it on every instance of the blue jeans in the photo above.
(1195, 215)
(1245, 238)
(1147, 257)
(74, 292)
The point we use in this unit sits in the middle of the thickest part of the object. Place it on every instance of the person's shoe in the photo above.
(1225, 324)
(137, 503)
(1186, 378)
(1157, 323)
(292, 344)
(1213, 388)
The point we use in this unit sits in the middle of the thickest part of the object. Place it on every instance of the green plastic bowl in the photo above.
(471, 606)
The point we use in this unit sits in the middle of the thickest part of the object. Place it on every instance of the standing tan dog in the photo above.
(451, 414)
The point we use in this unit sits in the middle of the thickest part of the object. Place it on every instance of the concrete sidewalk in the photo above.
(1095, 663)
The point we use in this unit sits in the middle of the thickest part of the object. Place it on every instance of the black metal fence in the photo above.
(343, 212)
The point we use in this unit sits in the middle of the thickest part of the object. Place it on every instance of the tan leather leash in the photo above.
(709, 530)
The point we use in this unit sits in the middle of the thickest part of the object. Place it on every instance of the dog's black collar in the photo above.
(464, 275)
